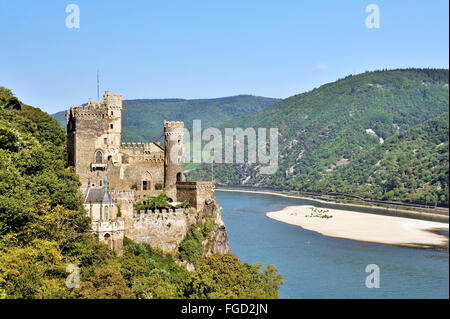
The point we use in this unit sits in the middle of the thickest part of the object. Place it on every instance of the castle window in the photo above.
(98, 157)
(178, 177)
(112, 113)
(109, 158)
(107, 239)
(105, 141)
(145, 185)
(111, 126)
(105, 213)
(101, 183)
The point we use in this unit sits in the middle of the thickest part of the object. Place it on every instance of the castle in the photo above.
(116, 175)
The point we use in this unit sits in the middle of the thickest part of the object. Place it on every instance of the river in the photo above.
(316, 266)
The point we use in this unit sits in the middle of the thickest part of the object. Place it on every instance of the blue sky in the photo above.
(203, 49)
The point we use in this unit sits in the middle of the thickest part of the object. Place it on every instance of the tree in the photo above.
(104, 282)
(224, 276)
(153, 287)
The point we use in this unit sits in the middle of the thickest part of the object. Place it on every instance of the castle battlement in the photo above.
(173, 124)
(133, 145)
(96, 109)
(141, 214)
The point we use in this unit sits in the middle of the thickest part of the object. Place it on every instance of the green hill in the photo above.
(342, 125)
(142, 120)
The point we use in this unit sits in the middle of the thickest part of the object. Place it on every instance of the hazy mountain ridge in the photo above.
(142, 119)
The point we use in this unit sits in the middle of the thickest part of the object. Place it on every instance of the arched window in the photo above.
(146, 181)
(105, 213)
(98, 157)
(178, 177)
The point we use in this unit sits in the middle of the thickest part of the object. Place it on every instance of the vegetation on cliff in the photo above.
(331, 139)
(44, 228)
(191, 248)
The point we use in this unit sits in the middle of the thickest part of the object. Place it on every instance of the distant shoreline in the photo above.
(377, 209)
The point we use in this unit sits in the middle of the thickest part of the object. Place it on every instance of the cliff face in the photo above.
(217, 242)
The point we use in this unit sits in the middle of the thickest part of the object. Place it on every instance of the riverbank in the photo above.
(366, 227)
(376, 209)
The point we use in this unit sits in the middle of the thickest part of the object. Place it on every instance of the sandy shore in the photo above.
(364, 227)
(408, 213)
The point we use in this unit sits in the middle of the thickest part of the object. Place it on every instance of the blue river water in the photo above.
(317, 266)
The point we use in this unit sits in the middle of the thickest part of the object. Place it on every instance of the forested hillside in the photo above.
(142, 120)
(44, 228)
(328, 135)
(411, 165)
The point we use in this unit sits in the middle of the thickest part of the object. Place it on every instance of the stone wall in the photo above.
(128, 176)
(124, 200)
(196, 192)
(166, 228)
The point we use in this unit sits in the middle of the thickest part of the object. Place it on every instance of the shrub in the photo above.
(191, 248)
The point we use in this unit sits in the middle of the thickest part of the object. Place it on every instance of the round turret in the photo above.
(173, 164)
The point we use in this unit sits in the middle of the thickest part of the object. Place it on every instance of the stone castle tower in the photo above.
(94, 146)
(116, 175)
(94, 137)
(173, 160)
